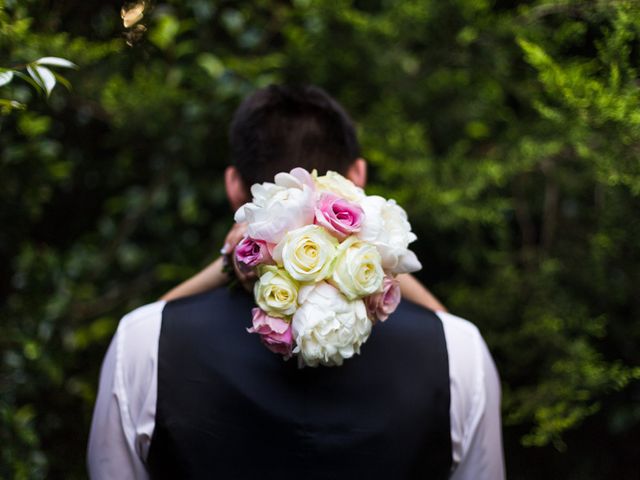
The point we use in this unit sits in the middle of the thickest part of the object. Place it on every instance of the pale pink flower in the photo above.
(275, 333)
(382, 304)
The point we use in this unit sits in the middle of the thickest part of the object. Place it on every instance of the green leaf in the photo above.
(164, 33)
(7, 106)
(55, 62)
(535, 54)
(29, 80)
(5, 77)
(62, 80)
(43, 76)
(211, 64)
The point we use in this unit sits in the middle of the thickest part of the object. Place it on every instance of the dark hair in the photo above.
(280, 127)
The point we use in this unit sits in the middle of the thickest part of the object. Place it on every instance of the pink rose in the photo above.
(339, 216)
(250, 253)
(381, 305)
(275, 333)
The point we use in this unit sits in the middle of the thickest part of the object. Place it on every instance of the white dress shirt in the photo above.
(124, 414)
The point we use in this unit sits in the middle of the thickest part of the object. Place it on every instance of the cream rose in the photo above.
(386, 226)
(307, 253)
(357, 271)
(276, 292)
(327, 327)
(336, 183)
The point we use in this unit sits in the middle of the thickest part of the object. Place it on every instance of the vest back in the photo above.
(228, 408)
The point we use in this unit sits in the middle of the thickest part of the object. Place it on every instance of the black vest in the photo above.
(228, 408)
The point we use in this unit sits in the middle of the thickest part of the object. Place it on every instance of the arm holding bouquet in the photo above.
(213, 276)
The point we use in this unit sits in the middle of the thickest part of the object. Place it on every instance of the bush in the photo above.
(510, 132)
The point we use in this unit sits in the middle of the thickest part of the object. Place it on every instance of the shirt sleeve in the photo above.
(124, 413)
(476, 427)
(483, 459)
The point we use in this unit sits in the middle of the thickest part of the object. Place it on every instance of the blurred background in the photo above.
(510, 131)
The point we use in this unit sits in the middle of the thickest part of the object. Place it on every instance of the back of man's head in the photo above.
(279, 127)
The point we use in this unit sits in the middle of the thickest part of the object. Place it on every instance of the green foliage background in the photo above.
(509, 130)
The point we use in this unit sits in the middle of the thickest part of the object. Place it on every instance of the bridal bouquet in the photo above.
(326, 256)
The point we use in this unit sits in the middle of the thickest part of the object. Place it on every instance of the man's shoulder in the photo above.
(149, 316)
(142, 316)
(136, 341)
(458, 329)
(465, 347)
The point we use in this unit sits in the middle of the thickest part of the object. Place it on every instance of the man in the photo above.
(185, 392)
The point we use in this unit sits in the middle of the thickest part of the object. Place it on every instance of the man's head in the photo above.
(279, 127)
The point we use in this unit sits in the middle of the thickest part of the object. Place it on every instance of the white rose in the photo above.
(336, 183)
(296, 178)
(327, 327)
(357, 271)
(386, 226)
(307, 253)
(277, 208)
(276, 292)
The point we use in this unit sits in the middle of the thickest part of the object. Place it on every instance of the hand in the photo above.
(234, 236)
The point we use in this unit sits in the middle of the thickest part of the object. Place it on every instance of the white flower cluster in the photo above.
(326, 256)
